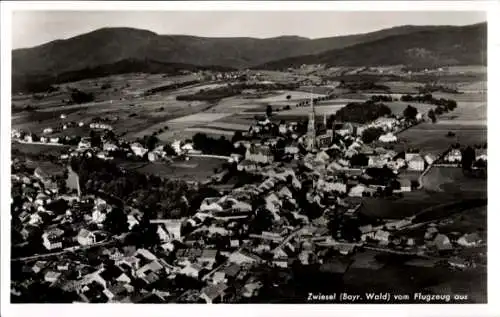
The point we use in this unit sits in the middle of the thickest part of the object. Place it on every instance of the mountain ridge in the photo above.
(109, 46)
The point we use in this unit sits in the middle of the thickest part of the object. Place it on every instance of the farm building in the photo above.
(454, 156)
(259, 154)
(416, 163)
(388, 138)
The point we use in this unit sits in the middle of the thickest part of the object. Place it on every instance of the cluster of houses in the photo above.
(231, 235)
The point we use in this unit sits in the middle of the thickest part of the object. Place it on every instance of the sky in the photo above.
(31, 28)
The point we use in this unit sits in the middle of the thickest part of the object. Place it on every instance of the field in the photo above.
(294, 96)
(196, 169)
(432, 138)
(200, 117)
(398, 208)
(36, 149)
(452, 179)
(398, 107)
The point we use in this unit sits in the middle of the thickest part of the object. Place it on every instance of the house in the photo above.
(429, 158)
(251, 289)
(109, 147)
(192, 270)
(84, 143)
(115, 291)
(208, 256)
(292, 149)
(442, 242)
(138, 149)
(219, 277)
(458, 262)
(172, 227)
(454, 156)
(430, 233)
(469, 240)
(481, 155)
(234, 243)
(416, 163)
(86, 237)
(405, 185)
(242, 257)
(52, 276)
(388, 138)
(382, 237)
(214, 293)
(259, 154)
(357, 191)
(41, 174)
(153, 156)
(163, 233)
(39, 266)
(236, 157)
(53, 239)
(152, 267)
(247, 166)
(232, 270)
(104, 156)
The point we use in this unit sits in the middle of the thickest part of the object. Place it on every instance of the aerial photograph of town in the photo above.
(248, 157)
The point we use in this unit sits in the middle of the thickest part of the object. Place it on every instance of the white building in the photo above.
(84, 144)
(454, 156)
(416, 163)
(388, 138)
(138, 149)
(109, 147)
(86, 237)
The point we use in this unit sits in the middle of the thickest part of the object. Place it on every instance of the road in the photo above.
(292, 235)
(40, 143)
(113, 239)
(211, 156)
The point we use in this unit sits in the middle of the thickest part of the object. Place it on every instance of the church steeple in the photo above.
(311, 127)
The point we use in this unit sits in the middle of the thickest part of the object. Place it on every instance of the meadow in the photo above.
(433, 139)
(452, 179)
(196, 169)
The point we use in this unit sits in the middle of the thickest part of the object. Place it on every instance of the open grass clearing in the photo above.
(201, 117)
(294, 95)
(432, 138)
(398, 208)
(228, 126)
(197, 169)
(36, 149)
(442, 179)
(211, 131)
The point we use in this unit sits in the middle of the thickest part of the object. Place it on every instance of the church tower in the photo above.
(311, 128)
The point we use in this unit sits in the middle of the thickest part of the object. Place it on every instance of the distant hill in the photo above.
(42, 82)
(113, 46)
(438, 46)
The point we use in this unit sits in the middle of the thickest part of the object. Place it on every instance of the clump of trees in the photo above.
(371, 134)
(410, 112)
(362, 85)
(429, 88)
(269, 110)
(359, 160)
(105, 86)
(209, 145)
(78, 96)
(362, 112)
(432, 116)
(211, 94)
(448, 104)
(164, 197)
(379, 98)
